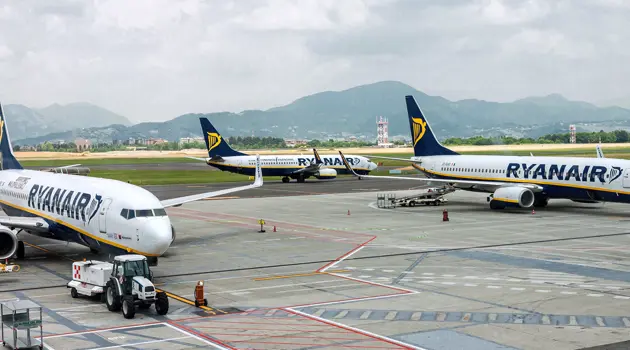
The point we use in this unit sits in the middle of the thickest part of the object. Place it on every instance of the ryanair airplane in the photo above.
(223, 157)
(513, 181)
(102, 214)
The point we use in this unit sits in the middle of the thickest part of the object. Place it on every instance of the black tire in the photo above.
(128, 307)
(74, 293)
(112, 299)
(20, 250)
(205, 302)
(196, 303)
(102, 297)
(161, 303)
(285, 179)
(412, 203)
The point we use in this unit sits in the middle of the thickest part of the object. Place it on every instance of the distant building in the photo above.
(184, 140)
(83, 145)
(156, 141)
(294, 142)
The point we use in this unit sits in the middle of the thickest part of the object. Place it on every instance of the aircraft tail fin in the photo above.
(8, 160)
(318, 159)
(424, 141)
(215, 144)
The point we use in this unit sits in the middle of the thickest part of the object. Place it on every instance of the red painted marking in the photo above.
(348, 329)
(346, 254)
(192, 331)
(288, 336)
(319, 345)
(271, 329)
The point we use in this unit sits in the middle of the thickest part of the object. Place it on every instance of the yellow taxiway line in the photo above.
(298, 275)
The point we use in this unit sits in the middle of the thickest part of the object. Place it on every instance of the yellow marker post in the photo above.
(262, 223)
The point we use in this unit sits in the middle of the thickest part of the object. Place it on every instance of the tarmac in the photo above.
(334, 271)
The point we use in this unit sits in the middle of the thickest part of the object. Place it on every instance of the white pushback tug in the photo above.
(125, 284)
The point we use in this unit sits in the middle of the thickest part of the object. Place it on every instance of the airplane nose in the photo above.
(158, 234)
(373, 166)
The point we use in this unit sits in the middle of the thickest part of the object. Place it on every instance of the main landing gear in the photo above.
(19, 253)
(299, 179)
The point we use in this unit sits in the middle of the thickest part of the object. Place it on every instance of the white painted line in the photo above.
(428, 274)
(613, 287)
(622, 297)
(344, 258)
(342, 314)
(542, 291)
(365, 315)
(492, 317)
(142, 343)
(357, 330)
(471, 277)
(427, 281)
(355, 300)
(388, 270)
(319, 312)
(271, 287)
(378, 284)
(491, 279)
(494, 287)
(368, 269)
(391, 315)
(416, 316)
(546, 319)
(76, 307)
(46, 295)
(101, 330)
(310, 289)
(448, 283)
(595, 295)
(569, 293)
(217, 346)
(409, 272)
(365, 276)
(626, 321)
(514, 280)
(517, 288)
(600, 321)
(586, 286)
(441, 316)
(270, 313)
(470, 285)
(448, 275)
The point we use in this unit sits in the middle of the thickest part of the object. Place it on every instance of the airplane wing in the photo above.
(312, 168)
(175, 202)
(497, 184)
(26, 223)
(67, 166)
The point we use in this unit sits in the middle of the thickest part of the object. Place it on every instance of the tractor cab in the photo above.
(130, 266)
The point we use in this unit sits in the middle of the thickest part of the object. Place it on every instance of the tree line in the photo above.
(617, 136)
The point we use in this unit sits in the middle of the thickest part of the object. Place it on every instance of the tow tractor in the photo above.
(125, 284)
(431, 196)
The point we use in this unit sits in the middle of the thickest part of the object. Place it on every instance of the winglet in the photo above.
(600, 153)
(318, 159)
(348, 167)
(259, 177)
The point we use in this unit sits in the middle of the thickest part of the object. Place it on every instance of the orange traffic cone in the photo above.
(348, 211)
(533, 211)
(274, 228)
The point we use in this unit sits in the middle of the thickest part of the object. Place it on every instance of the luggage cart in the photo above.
(19, 318)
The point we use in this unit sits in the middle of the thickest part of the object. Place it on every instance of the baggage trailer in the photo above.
(89, 278)
(431, 196)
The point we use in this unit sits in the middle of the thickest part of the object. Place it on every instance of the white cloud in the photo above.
(157, 59)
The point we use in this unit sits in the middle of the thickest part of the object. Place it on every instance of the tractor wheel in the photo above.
(111, 297)
(161, 304)
(196, 303)
(205, 302)
(128, 307)
(74, 293)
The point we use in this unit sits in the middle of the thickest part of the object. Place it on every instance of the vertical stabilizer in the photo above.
(424, 141)
(216, 145)
(8, 158)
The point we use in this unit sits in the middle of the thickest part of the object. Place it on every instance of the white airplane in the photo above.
(223, 157)
(513, 181)
(102, 214)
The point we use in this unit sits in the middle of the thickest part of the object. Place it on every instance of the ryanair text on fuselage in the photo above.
(328, 161)
(564, 172)
(75, 205)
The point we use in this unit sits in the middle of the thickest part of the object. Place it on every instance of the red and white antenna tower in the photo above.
(382, 137)
(572, 138)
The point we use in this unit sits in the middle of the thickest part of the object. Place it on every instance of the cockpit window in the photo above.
(141, 213)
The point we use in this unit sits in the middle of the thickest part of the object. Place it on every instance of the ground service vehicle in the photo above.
(89, 278)
(130, 285)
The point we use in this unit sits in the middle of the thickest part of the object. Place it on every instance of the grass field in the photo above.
(105, 161)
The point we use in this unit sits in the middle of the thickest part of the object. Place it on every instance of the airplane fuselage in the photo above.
(102, 214)
(591, 179)
(286, 165)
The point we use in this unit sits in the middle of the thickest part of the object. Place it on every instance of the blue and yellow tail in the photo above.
(423, 139)
(8, 158)
(217, 147)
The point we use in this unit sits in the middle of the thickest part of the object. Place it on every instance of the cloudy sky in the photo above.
(157, 59)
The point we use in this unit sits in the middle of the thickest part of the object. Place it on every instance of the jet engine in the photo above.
(512, 197)
(326, 174)
(8, 242)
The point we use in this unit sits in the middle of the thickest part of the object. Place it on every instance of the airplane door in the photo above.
(102, 215)
(626, 178)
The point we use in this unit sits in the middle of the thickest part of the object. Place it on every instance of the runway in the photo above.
(334, 271)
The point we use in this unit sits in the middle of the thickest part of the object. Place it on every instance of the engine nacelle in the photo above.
(326, 174)
(8, 242)
(513, 196)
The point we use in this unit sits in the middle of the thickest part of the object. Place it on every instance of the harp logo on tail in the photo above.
(419, 128)
(214, 140)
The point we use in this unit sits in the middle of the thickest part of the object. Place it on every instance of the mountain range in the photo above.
(322, 115)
